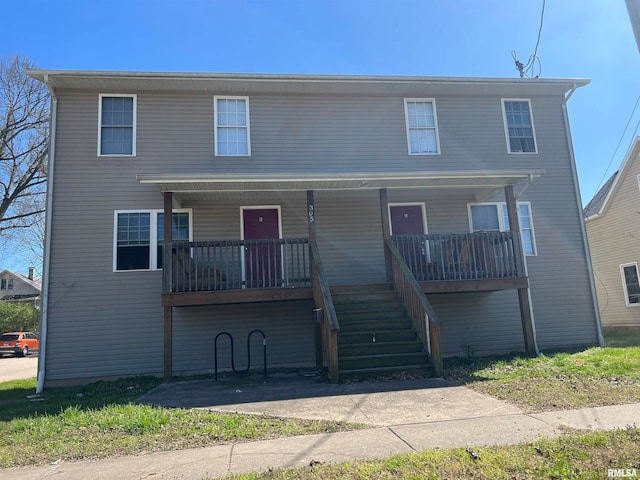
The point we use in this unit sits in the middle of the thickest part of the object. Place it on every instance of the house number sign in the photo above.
(312, 216)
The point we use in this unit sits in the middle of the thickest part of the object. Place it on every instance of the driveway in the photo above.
(18, 368)
(377, 404)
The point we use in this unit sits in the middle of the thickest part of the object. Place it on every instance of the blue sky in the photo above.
(580, 38)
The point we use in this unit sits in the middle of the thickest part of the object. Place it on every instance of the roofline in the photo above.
(319, 78)
(632, 153)
(223, 178)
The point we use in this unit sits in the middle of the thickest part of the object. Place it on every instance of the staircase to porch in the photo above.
(376, 338)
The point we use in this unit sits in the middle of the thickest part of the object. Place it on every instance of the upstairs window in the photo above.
(631, 284)
(3, 284)
(117, 125)
(422, 126)
(493, 217)
(232, 126)
(137, 231)
(518, 126)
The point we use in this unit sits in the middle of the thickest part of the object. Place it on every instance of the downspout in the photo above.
(42, 354)
(583, 230)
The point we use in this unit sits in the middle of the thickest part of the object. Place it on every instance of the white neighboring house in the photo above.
(15, 287)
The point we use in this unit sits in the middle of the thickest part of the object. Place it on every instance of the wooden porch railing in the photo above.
(417, 305)
(468, 256)
(236, 264)
(323, 300)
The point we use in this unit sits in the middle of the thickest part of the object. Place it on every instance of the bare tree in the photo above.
(24, 122)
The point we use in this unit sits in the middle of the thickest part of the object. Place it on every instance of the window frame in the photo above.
(624, 282)
(435, 121)
(3, 283)
(501, 223)
(154, 265)
(216, 126)
(506, 125)
(134, 126)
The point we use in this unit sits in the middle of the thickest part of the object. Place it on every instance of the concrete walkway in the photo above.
(406, 416)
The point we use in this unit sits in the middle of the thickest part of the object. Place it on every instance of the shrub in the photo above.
(18, 317)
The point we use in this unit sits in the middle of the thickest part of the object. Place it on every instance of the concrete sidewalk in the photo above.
(405, 417)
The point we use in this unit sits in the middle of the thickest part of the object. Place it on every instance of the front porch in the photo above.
(241, 271)
(350, 242)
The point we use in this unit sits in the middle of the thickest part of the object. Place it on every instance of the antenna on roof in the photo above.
(526, 70)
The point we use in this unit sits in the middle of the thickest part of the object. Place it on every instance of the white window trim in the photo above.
(215, 123)
(153, 236)
(624, 283)
(501, 223)
(435, 121)
(506, 126)
(135, 122)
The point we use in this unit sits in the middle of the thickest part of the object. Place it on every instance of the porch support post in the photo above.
(386, 232)
(523, 293)
(317, 314)
(166, 274)
(168, 343)
(311, 216)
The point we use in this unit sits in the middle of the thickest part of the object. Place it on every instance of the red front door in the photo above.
(409, 220)
(262, 255)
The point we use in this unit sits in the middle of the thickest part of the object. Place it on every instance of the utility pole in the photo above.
(633, 7)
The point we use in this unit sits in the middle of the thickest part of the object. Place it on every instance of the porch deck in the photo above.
(240, 271)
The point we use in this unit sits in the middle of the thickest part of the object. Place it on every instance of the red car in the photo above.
(19, 343)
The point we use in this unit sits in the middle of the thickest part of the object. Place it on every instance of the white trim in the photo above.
(153, 236)
(624, 283)
(630, 157)
(506, 127)
(134, 126)
(215, 125)
(435, 122)
(501, 224)
(409, 204)
(258, 207)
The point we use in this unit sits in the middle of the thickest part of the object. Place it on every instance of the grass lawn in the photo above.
(622, 337)
(100, 420)
(588, 378)
(588, 456)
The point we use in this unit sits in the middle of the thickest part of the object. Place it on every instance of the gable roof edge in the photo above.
(631, 155)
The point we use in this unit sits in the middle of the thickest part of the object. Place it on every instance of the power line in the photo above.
(527, 70)
(620, 142)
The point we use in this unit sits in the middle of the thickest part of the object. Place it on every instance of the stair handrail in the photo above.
(323, 300)
(418, 306)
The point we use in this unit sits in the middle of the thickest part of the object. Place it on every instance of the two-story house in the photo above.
(368, 223)
(15, 287)
(613, 228)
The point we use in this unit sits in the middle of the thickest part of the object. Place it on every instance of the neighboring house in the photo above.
(391, 203)
(613, 228)
(15, 287)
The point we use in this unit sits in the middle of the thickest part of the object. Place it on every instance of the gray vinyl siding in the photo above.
(118, 315)
(287, 326)
(614, 240)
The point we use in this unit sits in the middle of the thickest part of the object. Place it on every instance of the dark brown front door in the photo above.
(409, 220)
(262, 255)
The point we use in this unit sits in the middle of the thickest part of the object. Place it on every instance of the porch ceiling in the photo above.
(206, 182)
